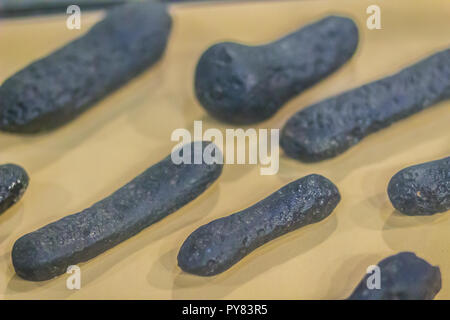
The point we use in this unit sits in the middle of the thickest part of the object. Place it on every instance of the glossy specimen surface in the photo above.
(422, 189)
(55, 89)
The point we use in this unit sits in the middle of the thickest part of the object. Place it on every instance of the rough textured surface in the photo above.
(423, 189)
(404, 276)
(13, 183)
(14, 8)
(175, 1)
(157, 192)
(57, 88)
(330, 127)
(242, 84)
(216, 246)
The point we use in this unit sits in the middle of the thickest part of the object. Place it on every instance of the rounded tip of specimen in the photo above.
(14, 171)
(300, 142)
(323, 189)
(319, 181)
(348, 29)
(28, 261)
(224, 80)
(346, 35)
(402, 197)
(198, 254)
(421, 189)
(344, 31)
(14, 181)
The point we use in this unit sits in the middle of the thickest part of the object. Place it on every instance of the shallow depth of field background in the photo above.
(88, 159)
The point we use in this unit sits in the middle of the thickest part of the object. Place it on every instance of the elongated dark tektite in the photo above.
(403, 276)
(423, 189)
(247, 84)
(13, 183)
(156, 193)
(54, 90)
(330, 127)
(216, 246)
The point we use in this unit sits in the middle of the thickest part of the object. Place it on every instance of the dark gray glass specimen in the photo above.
(54, 90)
(13, 183)
(216, 246)
(246, 84)
(328, 128)
(151, 196)
(423, 189)
(15, 8)
(404, 276)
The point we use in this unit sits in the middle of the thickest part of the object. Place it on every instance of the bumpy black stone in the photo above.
(57, 88)
(247, 84)
(330, 127)
(13, 183)
(216, 246)
(14, 8)
(423, 189)
(156, 193)
(404, 276)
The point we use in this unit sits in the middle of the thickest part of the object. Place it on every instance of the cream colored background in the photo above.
(129, 131)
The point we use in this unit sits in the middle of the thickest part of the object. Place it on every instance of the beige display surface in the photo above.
(86, 160)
